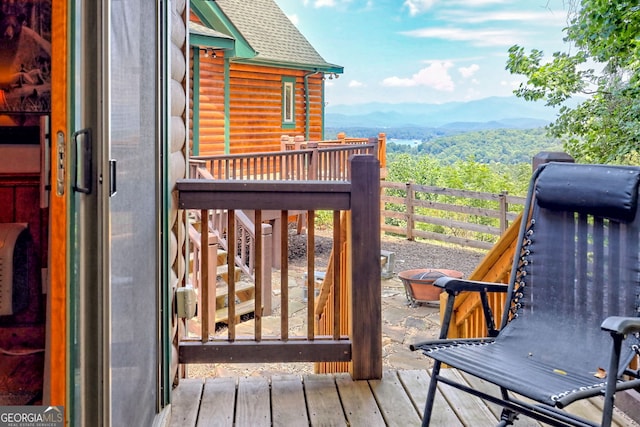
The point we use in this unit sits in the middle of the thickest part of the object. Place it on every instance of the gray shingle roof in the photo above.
(199, 29)
(270, 33)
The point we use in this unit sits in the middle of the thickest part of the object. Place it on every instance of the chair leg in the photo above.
(431, 395)
(507, 417)
(607, 412)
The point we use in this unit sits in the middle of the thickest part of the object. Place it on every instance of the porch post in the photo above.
(366, 304)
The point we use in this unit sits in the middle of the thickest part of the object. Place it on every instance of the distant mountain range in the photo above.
(488, 113)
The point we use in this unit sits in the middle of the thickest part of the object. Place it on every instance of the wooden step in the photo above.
(222, 256)
(245, 291)
(245, 307)
(223, 271)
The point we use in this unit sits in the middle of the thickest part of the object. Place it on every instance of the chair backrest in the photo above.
(579, 263)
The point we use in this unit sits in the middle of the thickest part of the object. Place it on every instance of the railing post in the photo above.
(212, 268)
(313, 164)
(366, 305)
(504, 208)
(409, 204)
(284, 142)
(382, 149)
(266, 252)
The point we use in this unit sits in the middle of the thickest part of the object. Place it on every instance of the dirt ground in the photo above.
(401, 323)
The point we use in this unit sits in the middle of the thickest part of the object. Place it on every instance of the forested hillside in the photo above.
(505, 146)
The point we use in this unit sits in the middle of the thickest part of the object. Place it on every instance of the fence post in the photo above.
(366, 305)
(409, 204)
(266, 252)
(504, 208)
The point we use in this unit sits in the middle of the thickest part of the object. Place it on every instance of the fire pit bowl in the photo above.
(418, 284)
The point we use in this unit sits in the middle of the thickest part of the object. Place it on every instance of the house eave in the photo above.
(212, 42)
(211, 15)
(321, 68)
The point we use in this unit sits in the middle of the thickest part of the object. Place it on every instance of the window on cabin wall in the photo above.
(288, 102)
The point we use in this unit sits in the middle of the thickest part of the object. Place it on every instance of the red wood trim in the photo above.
(264, 351)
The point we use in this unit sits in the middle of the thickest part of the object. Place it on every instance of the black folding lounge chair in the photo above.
(573, 312)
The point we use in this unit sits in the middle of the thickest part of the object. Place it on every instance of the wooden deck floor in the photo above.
(336, 400)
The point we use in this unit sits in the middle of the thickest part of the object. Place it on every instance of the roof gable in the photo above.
(265, 31)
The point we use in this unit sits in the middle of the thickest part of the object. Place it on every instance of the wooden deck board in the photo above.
(488, 388)
(323, 400)
(395, 405)
(471, 410)
(336, 400)
(416, 382)
(186, 402)
(287, 401)
(218, 398)
(253, 402)
(358, 402)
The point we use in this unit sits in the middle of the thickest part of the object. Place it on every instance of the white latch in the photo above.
(186, 302)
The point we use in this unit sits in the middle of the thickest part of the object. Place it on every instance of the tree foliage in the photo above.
(605, 128)
(504, 146)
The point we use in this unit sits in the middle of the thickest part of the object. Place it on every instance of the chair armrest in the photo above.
(621, 325)
(454, 286)
(451, 284)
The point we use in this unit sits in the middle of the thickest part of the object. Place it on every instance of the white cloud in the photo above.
(294, 19)
(482, 37)
(467, 17)
(324, 3)
(355, 83)
(476, 3)
(469, 71)
(418, 6)
(435, 76)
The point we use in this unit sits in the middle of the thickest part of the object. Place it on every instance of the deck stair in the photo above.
(223, 267)
(244, 291)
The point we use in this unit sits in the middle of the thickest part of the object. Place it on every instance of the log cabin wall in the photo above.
(209, 126)
(179, 83)
(254, 106)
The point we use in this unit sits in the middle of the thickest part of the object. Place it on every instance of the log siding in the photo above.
(240, 110)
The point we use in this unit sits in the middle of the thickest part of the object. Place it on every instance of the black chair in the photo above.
(571, 323)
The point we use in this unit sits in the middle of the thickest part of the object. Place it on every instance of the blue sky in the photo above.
(430, 51)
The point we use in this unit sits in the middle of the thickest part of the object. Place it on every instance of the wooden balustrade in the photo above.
(362, 347)
(323, 161)
(415, 210)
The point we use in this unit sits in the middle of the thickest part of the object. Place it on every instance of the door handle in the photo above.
(113, 187)
(83, 160)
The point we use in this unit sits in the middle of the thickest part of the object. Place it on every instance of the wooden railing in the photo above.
(288, 143)
(448, 215)
(324, 162)
(360, 196)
